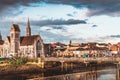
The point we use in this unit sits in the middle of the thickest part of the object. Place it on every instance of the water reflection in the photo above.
(71, 72)
(109, 74)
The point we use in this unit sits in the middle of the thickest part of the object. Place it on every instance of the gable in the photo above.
(7, 40)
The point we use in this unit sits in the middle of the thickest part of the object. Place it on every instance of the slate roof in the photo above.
(8, 38)
(16, 27)
(28, 40)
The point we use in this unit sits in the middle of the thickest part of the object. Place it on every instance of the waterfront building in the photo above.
(48, 50)
(22, 46)
(57, 49)
(114, 49)
(91, 49)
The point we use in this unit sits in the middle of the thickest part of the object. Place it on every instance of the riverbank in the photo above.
(19, 69)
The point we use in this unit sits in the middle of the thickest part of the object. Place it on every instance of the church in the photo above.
(16, 45)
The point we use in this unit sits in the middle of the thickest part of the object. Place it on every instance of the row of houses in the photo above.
(82, 49)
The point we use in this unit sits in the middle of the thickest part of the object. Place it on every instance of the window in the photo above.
(16, 35)
(38, 46)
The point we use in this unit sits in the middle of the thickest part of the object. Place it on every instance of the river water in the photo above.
(76, 72)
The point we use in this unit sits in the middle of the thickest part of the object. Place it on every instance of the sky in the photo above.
(64, 20)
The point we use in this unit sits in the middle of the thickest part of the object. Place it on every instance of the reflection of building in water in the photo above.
(91, 76)
(87, 76)
(106, 74)
(76, 76)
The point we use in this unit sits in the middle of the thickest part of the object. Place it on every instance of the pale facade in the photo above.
(29, 45)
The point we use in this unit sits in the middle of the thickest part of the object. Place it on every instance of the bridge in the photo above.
(74, 59)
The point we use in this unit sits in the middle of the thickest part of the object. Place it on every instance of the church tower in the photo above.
(28, 29)
(14, 38)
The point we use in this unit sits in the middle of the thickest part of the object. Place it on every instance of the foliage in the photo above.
(18, 61)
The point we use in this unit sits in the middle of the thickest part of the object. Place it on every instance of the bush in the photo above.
(18, 61)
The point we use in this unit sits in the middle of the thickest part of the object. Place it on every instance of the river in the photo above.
(71, 72)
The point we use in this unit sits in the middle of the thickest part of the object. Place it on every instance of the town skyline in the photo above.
(79, 21)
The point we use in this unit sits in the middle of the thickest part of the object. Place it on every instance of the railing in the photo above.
(107, 59)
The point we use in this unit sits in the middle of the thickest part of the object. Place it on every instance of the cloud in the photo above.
(96, 7)
(115, 36)
(57, 22)
(12, 3)
(9, 6)
(48, 37)
(103, 39)
(70, 15)
(94, 25)
(58, 27)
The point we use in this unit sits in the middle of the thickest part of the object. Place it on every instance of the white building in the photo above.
(29, 45)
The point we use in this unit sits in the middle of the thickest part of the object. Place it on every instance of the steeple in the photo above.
(28, 29)
(0, 36)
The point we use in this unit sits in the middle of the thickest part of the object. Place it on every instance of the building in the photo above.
(91, 49)
(48, 50)
(1, 45)
(114, 49)
(58, 48)
(28, 45)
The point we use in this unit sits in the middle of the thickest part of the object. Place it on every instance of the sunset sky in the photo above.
(64, 20)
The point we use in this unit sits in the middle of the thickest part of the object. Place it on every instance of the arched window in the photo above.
(38, 48)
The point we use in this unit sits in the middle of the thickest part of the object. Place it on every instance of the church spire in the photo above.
(28, 29)
(0, 36)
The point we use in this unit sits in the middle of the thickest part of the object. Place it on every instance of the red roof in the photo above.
(53, 45)
(118, 45)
